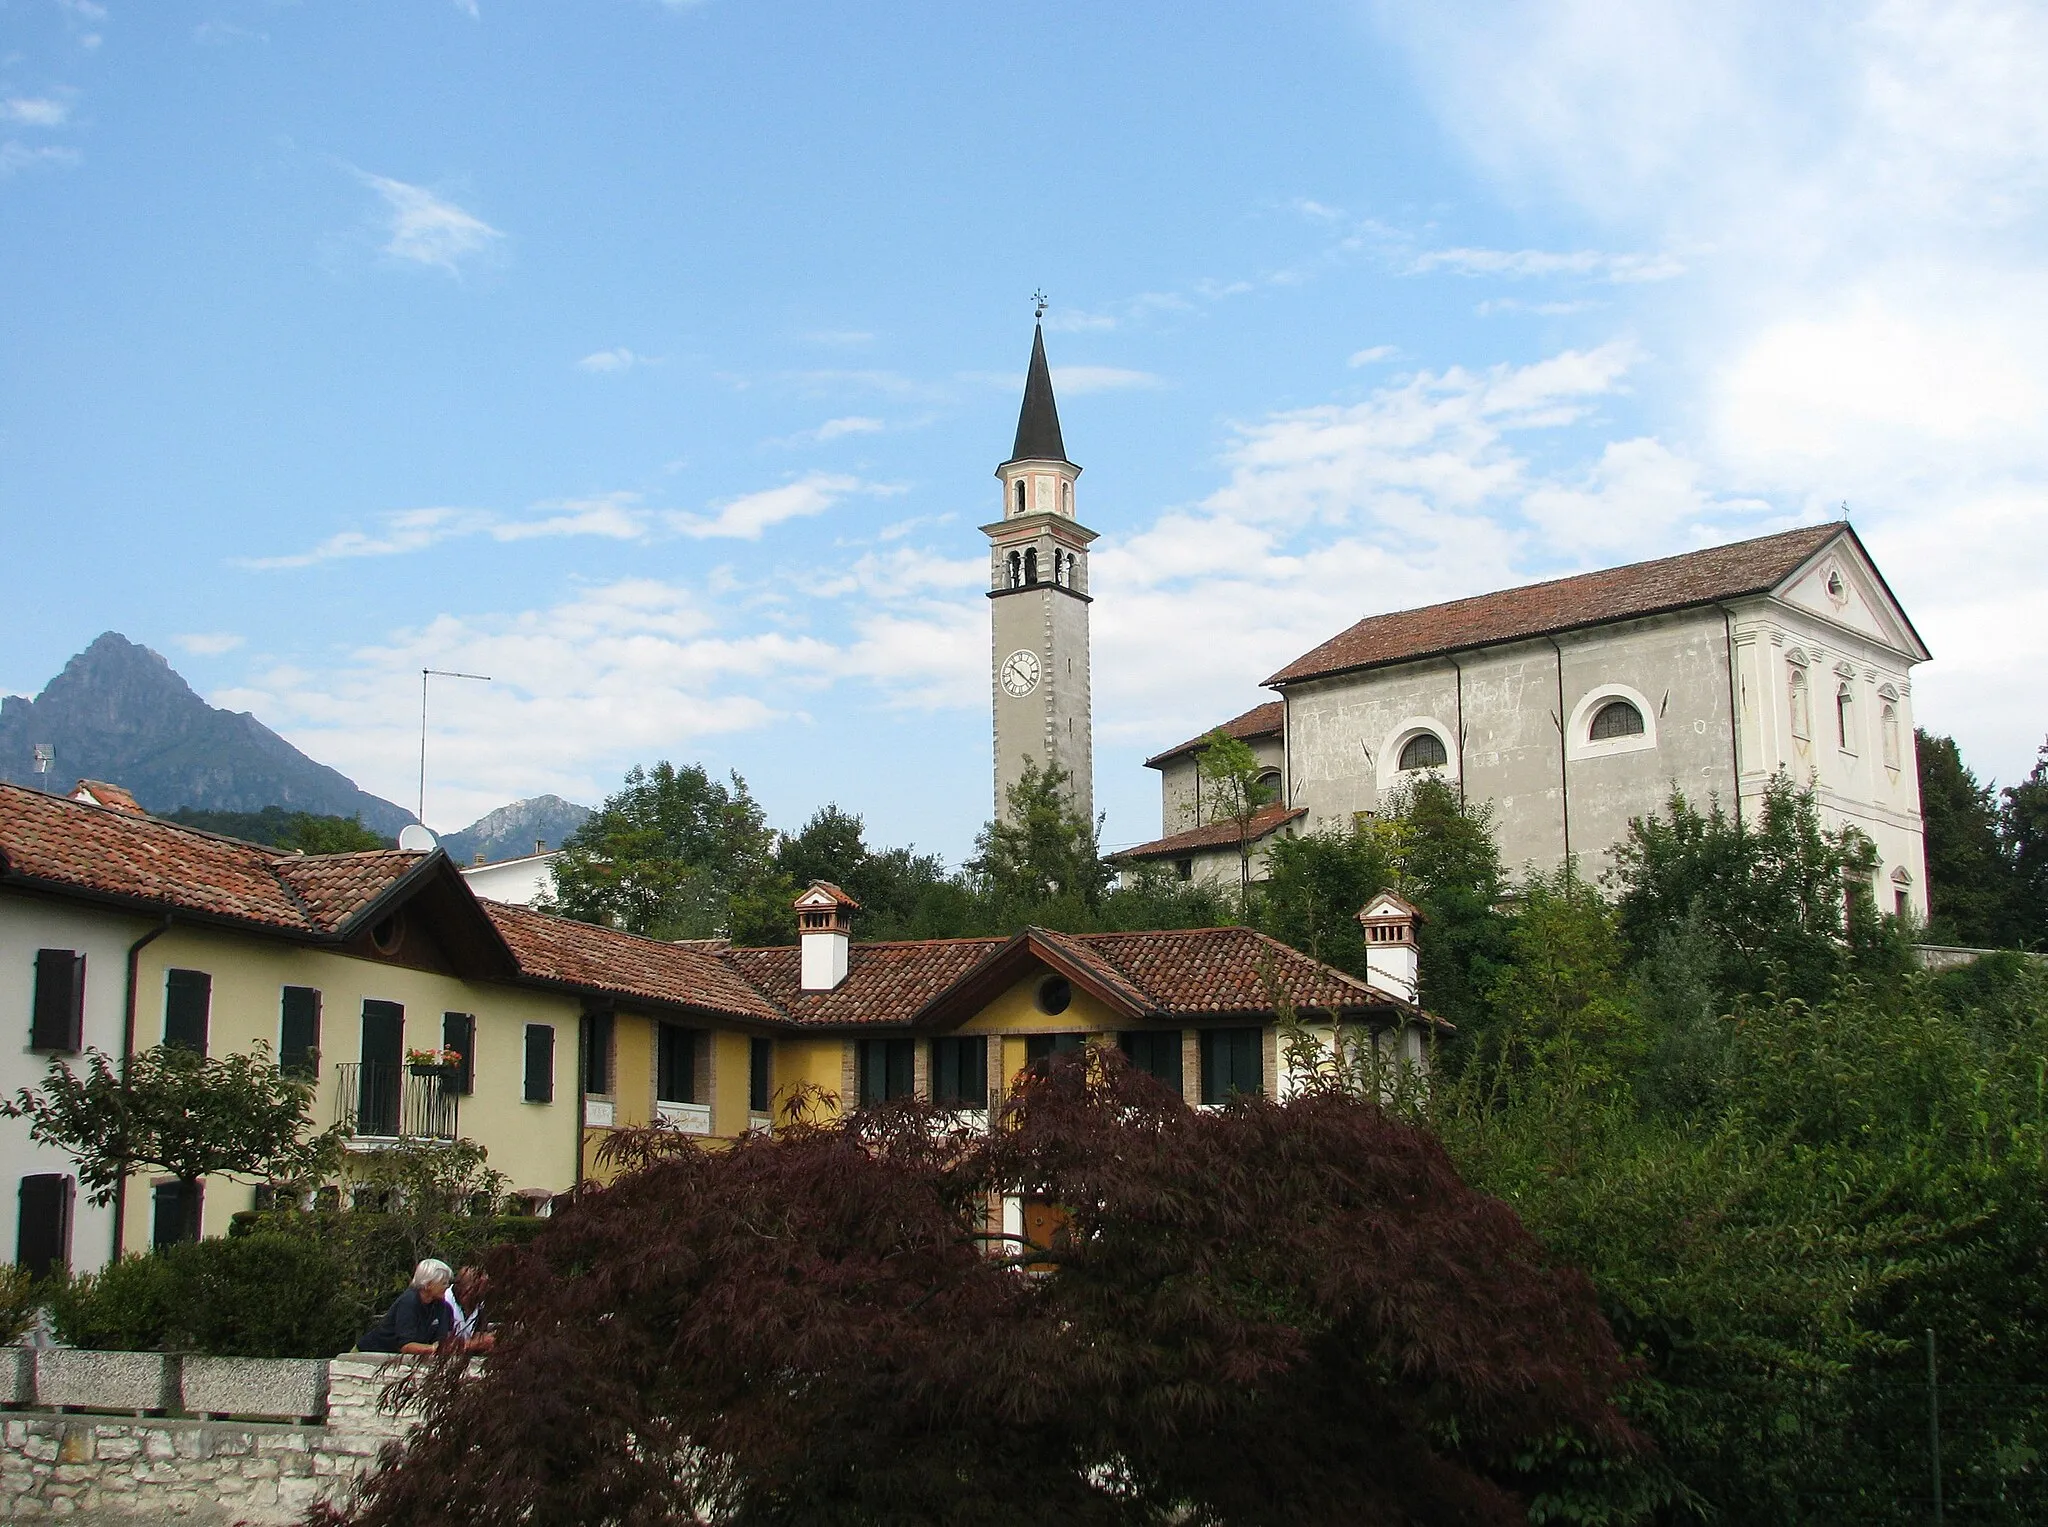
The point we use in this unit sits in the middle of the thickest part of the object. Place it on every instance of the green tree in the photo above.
(1317, 882)
(187, 1115)
(301, 830)
(1447, 863)
(675, 854)
(1043, 852)
(1783, 901)
(902, 893)
(1233, 790)
(1970, 880)
(1563, 990)
(2023, 824)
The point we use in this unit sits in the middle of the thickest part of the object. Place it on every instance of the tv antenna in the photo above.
(1043, 301)
(425, 674)
(45, 755)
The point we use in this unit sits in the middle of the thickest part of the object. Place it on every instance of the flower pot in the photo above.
(425, 1068)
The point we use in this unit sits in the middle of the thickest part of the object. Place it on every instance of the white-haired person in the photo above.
(419, 1318)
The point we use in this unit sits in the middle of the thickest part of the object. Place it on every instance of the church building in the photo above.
(1576, 704)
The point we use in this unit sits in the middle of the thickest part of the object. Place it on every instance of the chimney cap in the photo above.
(1387, 907)
(823, 893)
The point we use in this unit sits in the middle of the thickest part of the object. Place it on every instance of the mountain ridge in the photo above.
(121, 713)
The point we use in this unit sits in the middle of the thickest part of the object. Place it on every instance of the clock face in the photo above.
(1020, 673)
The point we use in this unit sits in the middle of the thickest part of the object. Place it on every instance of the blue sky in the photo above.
(654, 358)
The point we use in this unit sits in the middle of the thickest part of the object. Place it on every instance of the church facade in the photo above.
(1574, 705)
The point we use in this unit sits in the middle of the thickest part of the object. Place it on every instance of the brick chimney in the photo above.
(1392, 963)
(824, 920)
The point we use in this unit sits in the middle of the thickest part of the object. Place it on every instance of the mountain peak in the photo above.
(120, 712)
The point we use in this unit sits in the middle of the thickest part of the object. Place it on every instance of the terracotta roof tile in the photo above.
(885, 983)
(98, 850)
(1260, 721)
(1200, 972)
(1265, 821)
(1564, 604)
(565, 952)
(336, 887)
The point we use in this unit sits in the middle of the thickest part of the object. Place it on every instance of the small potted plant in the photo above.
(441, 1063)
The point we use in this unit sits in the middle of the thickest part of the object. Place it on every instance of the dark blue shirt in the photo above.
(410, 1319)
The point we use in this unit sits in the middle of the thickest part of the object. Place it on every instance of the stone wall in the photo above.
(91, 1468)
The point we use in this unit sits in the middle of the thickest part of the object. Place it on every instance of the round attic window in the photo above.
(386, 934)
(1054, 994)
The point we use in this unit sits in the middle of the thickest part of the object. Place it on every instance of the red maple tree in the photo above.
(1263, 1313)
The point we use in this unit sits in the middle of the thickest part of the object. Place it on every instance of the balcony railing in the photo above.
(375, 1101)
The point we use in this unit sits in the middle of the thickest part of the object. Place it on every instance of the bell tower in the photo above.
(1038, 604)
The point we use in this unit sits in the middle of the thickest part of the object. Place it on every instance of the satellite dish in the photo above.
(415, 839)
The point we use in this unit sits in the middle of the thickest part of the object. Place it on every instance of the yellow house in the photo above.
(362, 972)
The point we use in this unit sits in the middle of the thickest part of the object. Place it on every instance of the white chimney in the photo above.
(824, 920)
(1392, 963)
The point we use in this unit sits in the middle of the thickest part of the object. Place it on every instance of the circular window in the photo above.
(1054, 993)
(1837, 589)
(1617, 718)
(386, 934)
(1425, 750)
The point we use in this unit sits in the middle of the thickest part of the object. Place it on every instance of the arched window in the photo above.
(1425, 750)
(1268, 785)
(1059, 566)
(1020, 495)
(1845, 717)
(1888, 725)
(1016, 569)
(1030, 565)
(1617, 718)
(1802, 715)
(1067, 498)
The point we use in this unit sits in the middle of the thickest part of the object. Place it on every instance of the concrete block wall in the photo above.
(94, 1468)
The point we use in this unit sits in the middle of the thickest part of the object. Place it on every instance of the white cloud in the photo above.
(35, 111)
(620, 359)
(1587, 263)
(1077, 380)
(611, 516)
(1375, 353)
(16, 157)
(746, 517)
(427, 230)
(468, 8)
(406, 530)
(852, 424)
(208, 643)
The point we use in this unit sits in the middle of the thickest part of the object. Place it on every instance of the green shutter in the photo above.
(57, 1020)
(540, 1063)
(188, 1002)
(298, 1033)
(760, 1064)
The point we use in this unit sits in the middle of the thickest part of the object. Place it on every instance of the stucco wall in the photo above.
(1182, 795)
(533, 1144)
(27, 924)
(1525, 745)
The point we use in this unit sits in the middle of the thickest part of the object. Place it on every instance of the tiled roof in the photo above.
(885, 983)
(1564, 604)
(1267, 819)
(1196, 972)
(1260, 721)
(336, 887)
(563, 952)
(72, 845)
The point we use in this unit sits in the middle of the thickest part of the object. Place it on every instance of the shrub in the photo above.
(19, 1297)
(125, 1307)
(265, 1295)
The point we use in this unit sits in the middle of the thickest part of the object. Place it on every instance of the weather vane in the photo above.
(1040, 299)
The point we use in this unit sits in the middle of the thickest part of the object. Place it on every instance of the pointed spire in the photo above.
(1038, 422)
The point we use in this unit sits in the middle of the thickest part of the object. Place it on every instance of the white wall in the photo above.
(522, 881)
(29, 923)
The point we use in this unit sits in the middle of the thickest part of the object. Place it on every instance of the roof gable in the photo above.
(1564, 604)
(1264, 822)
(1260, 721)
(1841, 585)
